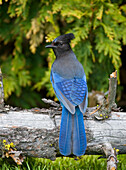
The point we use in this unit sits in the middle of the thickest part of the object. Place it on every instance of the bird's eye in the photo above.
(60, 43)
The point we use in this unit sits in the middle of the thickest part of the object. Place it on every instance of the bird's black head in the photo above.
(61, 44)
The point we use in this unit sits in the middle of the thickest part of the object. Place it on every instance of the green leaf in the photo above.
(109, 31)
(100, 13)
(24, 78)
(10, 85)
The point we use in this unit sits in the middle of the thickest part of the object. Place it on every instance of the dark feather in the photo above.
(66, 38)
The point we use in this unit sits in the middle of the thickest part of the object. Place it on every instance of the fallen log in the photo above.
(34, 132)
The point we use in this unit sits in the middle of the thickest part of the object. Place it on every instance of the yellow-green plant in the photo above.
(6, 145)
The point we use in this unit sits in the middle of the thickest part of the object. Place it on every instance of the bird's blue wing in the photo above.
(84, 103)
(73, 89)
(70, 92)
(55, 78)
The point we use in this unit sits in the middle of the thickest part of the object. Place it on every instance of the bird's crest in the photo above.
(66, 38)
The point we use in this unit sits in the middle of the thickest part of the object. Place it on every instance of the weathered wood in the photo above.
(111, 154)
(34, 132)
(112, 91)
(104, 110)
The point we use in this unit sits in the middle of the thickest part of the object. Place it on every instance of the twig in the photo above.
(95, 111)
(51, 102)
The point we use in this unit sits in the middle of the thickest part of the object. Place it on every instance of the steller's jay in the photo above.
(69, 83)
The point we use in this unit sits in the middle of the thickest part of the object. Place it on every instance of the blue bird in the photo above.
(69, 83)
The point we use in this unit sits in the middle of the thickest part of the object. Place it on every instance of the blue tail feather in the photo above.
(72, 133)
(79, 136)
(65, 132)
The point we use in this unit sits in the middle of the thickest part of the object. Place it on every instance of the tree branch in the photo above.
(104, 110)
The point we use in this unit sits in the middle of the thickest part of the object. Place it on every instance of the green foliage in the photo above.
(26, 26)
(88, 162)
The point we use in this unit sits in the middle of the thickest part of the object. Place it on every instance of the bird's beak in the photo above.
(50, 46)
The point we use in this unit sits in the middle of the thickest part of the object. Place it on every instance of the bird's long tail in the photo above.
(72, 133)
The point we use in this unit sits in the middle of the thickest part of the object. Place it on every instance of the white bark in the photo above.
(34, 132)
